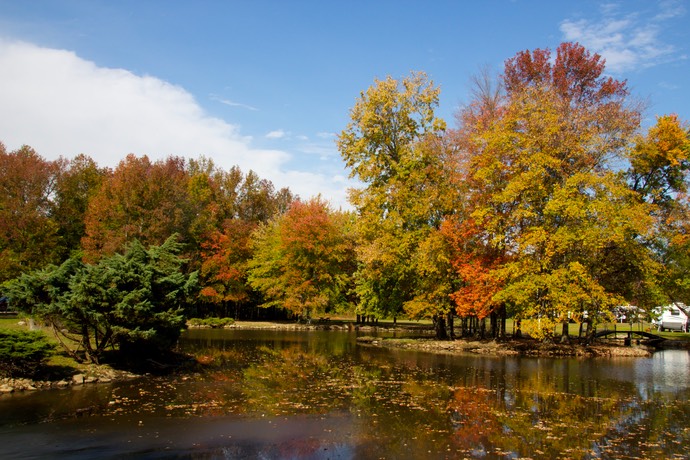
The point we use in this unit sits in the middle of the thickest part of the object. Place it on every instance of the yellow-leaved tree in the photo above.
(558, 228)
(394, 148)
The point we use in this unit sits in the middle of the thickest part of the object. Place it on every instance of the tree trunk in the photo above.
(440, 323)
(504, 315)
(451, 326)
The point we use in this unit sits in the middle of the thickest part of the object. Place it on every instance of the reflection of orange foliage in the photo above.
(473, 417)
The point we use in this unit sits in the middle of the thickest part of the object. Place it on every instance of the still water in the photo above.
(319, 395)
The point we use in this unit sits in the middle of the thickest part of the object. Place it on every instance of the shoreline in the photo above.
(331, 325)
(507, 347)
(90, 375)
(424, 342)
(511, 347)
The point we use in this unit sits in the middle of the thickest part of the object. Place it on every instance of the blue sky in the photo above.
(267, 85)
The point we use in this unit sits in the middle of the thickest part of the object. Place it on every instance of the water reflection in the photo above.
(278, 394)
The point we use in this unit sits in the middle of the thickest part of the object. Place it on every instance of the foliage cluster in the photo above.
(304, 259)
(22, 353)
(545, 203)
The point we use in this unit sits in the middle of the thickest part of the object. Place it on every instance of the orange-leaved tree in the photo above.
(142, 200)
(304, 259)
(28, 234)
(225, 258)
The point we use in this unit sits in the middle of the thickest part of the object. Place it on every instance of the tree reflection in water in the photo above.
(527, 407)
(303, 395)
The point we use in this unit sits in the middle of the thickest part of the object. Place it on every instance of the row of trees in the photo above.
(117, 259)
(546, 202)
(54, 210)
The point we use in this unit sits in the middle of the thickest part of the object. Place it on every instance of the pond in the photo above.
(320, 395)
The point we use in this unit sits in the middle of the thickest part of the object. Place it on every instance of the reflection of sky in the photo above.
(666, 371)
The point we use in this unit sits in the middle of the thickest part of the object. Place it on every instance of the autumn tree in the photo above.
(229, 206)
(391, 146)
(142, 200)
(543, 195)
(217, 195)
(29, 236)
(658, 174)
(476, 251)
(303, 260)
(226, 254)
(77, 181)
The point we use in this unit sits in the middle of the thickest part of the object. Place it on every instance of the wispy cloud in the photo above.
(277, 134)
(323, 151)
(670, 9)
(233, 103)
(627, 41)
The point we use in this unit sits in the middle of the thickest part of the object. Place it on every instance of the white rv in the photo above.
(672, 317)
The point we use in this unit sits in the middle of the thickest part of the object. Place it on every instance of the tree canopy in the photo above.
(304, 259)
(393, 145)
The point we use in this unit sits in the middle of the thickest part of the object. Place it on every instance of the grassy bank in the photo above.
(61, 370)
(60, 359)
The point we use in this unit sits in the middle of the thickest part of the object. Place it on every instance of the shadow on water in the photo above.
(317, 394)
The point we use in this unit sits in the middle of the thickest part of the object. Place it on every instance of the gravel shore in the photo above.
(510, 347)
(90, 375)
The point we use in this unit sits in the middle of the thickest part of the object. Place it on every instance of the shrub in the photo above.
(132, 302)
(22, 353)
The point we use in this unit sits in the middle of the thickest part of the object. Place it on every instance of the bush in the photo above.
(132, 302)
(22, 353)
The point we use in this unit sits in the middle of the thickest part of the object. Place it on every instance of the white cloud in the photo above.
(627, 42)
(277, 134)
(62, 105)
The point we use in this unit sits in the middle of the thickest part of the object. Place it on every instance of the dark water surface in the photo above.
(319, 395)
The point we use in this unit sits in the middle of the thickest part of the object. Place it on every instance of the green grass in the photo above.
(59, 359)
(12, 324)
